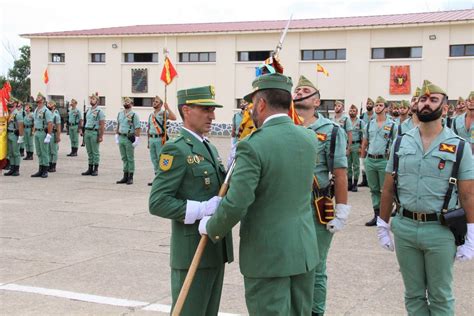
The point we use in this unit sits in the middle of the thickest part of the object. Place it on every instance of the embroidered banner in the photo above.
(400, 79)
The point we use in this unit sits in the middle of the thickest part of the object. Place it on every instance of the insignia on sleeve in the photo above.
(321, 136)
(447, 148)
(165, 162)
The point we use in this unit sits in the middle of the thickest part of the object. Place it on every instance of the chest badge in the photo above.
(321, 136)
(447, 148)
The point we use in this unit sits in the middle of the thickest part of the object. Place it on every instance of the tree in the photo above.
(19, 75)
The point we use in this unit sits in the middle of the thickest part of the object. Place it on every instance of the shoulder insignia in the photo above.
(321, 136)
(387, 128)
(447, 148)
(166, 161)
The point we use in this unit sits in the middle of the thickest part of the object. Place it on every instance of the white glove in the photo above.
(383, 234)
(47, 139)
(466, 252)
(116, 138)
(233, 149)
(203, 224)
(342, 213)
(197, 210)
(20, 140)
(135, 143)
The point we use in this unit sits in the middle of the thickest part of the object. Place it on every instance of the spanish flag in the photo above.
(320, 68)
(294, 116)
(247, 125)
(168, 72)
(45, 76)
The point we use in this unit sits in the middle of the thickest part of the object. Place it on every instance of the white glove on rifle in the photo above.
(233, 149)
(466, 252)
(47, 139)
(383, 234)
(135, 143)
(202, 225)
(20, 140)
(197, 210)
(116, 138)
(342, 213)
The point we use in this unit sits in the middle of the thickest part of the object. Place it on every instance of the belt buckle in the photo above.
(419, 217)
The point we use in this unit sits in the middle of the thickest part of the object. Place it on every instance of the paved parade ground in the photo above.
(82, 245)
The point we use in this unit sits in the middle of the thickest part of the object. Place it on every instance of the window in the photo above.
(197, 57)
(58, 58)
(59, 99)
(144, 102)
(98, 58)
(326, 106)
(101, 101)
(461, 50)
(140, 57)
(324, 54)
(396, 52)
(253, 56)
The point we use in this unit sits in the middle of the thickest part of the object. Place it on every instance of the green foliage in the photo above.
(19, 74)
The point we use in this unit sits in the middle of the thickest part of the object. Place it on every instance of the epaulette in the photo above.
(178, 138)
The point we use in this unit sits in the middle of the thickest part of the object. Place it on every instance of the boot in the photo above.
(52, 167)
(349, 184)
(74, 154)
(29, 156)
(22, 152)
(11, 171)
(44, 174)
(130, 178)
(39, 173)
(354, 185)
(71, 153)
(88, 172)
(150, 184)
(124, 179)
(373, 221)
(16, 171)
(95, 170)
(364, 181)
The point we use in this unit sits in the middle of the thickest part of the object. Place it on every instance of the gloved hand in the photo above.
(135, 143)
(383, 234)
(466, 252)
(233, 149)
(202, 225)
(20, 140)
(342, 213)
(197, 210)
(116, 138)
(47, 139)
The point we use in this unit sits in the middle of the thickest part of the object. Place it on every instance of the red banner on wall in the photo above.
(400, 79)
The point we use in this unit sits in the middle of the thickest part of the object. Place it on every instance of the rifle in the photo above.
(361, 116)
(67, 118)
(84, 124)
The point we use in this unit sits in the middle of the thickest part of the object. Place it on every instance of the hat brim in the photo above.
(207, 104)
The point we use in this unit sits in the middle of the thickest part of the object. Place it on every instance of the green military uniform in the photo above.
(91, 126)
(54, 145)
(188, 171)
(28, 135)
(345, 122)
(13, 135)
(353, 160)
(128, 121)
(278, 247)
(74, 118)
(42, 117)
(236, 121)
(459, 127)
(366, 118)
(155, 133)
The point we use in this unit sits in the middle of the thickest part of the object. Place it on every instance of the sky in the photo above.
(34, 16)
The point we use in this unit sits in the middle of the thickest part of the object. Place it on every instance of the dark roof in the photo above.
(262, 26)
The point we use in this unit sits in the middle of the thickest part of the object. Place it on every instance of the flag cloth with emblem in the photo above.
(168, 73)
(320, 68)
(45, 76)
(247, 126)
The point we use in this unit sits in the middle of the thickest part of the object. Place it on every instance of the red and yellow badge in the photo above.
(447, 148)
(165, 162)
(321, 136)
(387, 128)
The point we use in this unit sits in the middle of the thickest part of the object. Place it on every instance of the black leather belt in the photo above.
(126, 135)
(422, 217)
(154, 136)
(376, 156)
(91, 129)
(72, 124)
(356, 141)
(28, 126)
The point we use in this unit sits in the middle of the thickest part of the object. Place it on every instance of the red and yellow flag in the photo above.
(294, 116)
(320, 68)
(168, 72)
(45, 76)
(247, 126)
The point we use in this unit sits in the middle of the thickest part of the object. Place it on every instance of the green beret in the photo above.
(339, 102)
(370, 100)
(271, 81)
(405, 104)
(417, 92)
(353, 107)
(74, 101)
(303, 81)
(460, 99)
(380, 100)
(203, 96)
(429, 88)
(95, 96)
(127, 100)
(40, 95)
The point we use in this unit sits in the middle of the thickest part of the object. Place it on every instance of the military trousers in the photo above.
(53, 149)
(375, 171)
(280, 296)
(28, 140)
(353, 162)
(13, 152)
(42, 149)
(425, 253)
(204, 295)
(324, 238)
(155, 148)
(92, 147)
(74, 136)
(127, 153)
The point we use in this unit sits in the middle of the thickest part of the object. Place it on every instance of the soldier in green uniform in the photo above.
(344, 121)
(329, 172)
(185, 190)
(378, 137)
(463, 125)
(460, 107)
(366, 117)
(21, 109)
(278, 247)
(156, 130)
(28, 121)
(75, 122)
(395, 112)
(94, 127)
(56, 137)
(353, 160)
(15, 132)
(425, 248)
(236, 121)
(127, 136)
(412, 121)
(42, 131)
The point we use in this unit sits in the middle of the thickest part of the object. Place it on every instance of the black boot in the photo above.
(52, 167)
(95, 170)
(364, 181)
(44, 173)
(150, 184)
(39, 173)
(354, 185)
(11, 171)
(316, 314)
(22, 152)
(349, 184)
(29, 156)
(71, 153)
(373, 221)
(88, 172)
(124, 179)
(130, 178)
(16, 171)
(74, 154)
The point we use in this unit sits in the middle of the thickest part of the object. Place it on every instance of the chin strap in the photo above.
(306, 97)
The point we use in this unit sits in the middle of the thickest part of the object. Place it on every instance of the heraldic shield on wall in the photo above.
(400, 79)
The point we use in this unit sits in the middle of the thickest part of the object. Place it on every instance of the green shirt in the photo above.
(28, 120)
(56, 118)
(407, 125)
(357, 130)
(459, 127)
(345, 122)
(42, 117)
(379, 137)
(159, 120)
(15, 118)
(93, 117)
(75, 115)
(128, 122)
(423, 177)
(366, 118)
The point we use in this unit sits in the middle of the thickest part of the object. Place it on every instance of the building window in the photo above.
(98, 58)
(324, 54)
(101, 101)
(140, 57)
(326, 106)
(58, 58)
(253, 56)
(461, 50)
(396, 52)
(197, 57)
(143, 102)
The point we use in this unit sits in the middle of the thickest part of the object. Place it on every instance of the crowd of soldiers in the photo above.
(289, 187)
